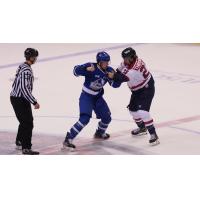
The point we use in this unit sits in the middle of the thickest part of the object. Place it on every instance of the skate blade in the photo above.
(157, 142)
(64, 148)
(140, 134)
(101, 139)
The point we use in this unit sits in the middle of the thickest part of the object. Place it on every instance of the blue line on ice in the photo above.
(70, 55)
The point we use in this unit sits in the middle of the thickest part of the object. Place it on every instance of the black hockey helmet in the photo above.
(30, 52)
(129, 52)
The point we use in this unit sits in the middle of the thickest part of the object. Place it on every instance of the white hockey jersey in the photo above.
(138, 74)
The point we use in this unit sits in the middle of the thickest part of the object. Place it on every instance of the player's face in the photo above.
(104, 65)
(128, 60)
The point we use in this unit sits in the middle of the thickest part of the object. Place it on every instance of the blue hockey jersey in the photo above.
(95, 81)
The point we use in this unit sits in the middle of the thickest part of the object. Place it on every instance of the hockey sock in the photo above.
(102, 127)
(75, 130)
(151, 129)
(140, 123)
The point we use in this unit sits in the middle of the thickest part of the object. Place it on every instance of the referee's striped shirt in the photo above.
(23, 83)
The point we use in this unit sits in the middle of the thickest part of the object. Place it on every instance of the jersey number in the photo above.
(144, 71)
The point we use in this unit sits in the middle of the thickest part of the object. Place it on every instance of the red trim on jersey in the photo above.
(135, 63)
(132, 65)
(134, 87)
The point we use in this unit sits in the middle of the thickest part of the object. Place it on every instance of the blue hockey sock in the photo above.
(102, 127)
(78, 126)
(75, 130)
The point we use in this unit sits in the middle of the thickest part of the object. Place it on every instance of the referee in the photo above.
(21, 99)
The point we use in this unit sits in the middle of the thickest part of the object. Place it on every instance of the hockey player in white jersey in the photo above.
(141, 84)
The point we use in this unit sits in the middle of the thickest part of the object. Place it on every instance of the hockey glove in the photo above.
(119, 77)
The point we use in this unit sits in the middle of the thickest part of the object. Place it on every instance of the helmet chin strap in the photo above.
(99, 64)
(102, 67)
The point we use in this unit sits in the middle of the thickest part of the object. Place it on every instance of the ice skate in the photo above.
(139, 131)
(68, 145)
(154, 140)
(103, 136)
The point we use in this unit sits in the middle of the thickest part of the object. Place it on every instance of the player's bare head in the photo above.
(129, 55)
(31, 55)
(103, 59)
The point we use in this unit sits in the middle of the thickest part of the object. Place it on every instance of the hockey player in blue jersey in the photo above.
(91, 99)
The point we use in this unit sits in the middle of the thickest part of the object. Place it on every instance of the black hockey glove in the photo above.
(119, 77)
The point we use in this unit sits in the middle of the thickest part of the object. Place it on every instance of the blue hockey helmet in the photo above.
(102, 56)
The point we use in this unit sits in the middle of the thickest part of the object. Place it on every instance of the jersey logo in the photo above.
(98, 84)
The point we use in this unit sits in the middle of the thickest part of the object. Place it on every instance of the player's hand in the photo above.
(91, 68)
(120, 77)
(111, 74)
(37, 106)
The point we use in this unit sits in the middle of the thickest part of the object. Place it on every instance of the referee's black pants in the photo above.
(24, 115)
